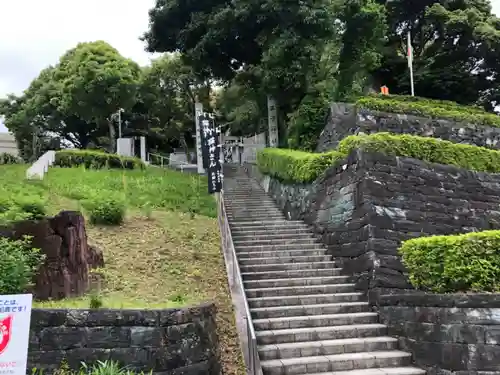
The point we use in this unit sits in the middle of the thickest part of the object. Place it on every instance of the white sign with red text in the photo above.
(15, 314)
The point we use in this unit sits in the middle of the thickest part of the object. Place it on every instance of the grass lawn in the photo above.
(166, 253)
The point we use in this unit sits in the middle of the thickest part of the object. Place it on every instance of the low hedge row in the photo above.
(429, 108)
(301, 167)
(456, 263)
(6, 158)
(448, 104)
(96, 160)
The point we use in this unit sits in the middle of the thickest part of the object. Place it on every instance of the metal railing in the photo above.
(164, 162)
(157, 158)
(41, 166)
(243, 317)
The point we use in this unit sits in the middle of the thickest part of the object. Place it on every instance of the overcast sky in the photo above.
(35, 33)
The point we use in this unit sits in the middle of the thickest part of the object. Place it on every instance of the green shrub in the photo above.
(35, 206)
(95, 160)
(295, 166)
(430, 108)
(457, 263)
(19, 263)
(105, 209)
(6, 158)
(299, 166)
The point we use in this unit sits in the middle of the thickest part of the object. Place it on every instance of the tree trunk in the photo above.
(185, 147)
(112, 137)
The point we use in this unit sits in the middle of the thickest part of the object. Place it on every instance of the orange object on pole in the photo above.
(384, 90)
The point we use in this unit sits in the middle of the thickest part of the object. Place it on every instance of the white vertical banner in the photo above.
(410, 63)
(15, 315)
(272, 113)
(198, 111)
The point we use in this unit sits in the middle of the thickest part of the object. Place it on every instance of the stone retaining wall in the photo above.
(446, 334)
(173, 341)
(366, 205)
(345, 119)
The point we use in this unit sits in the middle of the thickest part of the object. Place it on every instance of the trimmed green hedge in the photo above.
(298, 166)
(431, 102)
(429, 108)
(6, 158)
(457, 263)
(293, 165)
(96, 160)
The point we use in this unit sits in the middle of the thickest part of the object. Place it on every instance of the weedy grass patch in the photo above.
(163, 252)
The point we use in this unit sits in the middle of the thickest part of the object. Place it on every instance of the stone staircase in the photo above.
(307, 317)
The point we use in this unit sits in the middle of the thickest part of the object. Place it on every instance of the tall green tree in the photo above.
(456, 50)
(274, 43)
(92, 82)
(168, 92)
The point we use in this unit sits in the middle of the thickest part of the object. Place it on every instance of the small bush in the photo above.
(33, 205)
(430, 108)
(457, 263)
(105, 209)
(6, 158)
(18, 207)
(295, 166)
(19, 263)
(95, 160)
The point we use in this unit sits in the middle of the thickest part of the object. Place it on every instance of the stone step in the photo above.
(253, 206)
(254, 213)
(327, 347)
(320, 333)
(282, 254)
(276, 283)
(276, 260)
(378, 371)
(271, 324)
(264, 231)
(277, 216)
(271, 236)
(249, 199)
(267, 228)
(287, 266)
(290, 273)
(285, 259)
(303, 240)
(270, 224)
(300, 290)
(279, 247)
(306, 299)
(316, 309)
(336, 362)
(243, 218)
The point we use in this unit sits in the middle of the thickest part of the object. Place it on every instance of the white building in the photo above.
(8, 144)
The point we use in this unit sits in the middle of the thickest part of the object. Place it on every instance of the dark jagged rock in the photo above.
(69, 257)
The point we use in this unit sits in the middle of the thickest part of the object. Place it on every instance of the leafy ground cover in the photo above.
(166, 253)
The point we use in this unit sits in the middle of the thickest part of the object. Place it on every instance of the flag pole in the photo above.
(410, 63)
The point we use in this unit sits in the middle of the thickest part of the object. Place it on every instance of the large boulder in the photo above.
(69, 257)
